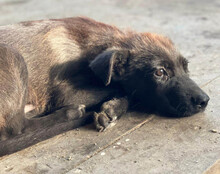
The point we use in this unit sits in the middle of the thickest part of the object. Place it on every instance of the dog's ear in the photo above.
(110, 65)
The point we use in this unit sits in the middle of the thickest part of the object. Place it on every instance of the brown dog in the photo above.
(78, 63)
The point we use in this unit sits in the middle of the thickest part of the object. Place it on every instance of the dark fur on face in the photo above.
(154, 74)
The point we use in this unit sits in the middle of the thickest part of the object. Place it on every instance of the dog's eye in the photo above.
(160, 72)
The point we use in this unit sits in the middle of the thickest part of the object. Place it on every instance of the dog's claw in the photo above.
(109, 113)
(82, 110)
(103, 121)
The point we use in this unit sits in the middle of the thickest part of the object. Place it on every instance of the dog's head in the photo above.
(153, 73)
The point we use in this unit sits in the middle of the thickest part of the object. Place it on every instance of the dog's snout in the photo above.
(200, 101)
(185, 96)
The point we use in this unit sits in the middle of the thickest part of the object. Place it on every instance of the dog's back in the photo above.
(47, 44)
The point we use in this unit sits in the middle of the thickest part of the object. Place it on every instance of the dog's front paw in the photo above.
(104, 121)
(76, 112)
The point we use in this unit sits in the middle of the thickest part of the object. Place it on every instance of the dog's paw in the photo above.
(75, 113)
(104, 121)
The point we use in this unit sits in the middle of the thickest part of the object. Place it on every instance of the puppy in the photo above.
(67, 67)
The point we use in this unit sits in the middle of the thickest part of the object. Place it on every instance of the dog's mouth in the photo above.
(182, 97)
(185, 111)
(177, 106)
(182, 109)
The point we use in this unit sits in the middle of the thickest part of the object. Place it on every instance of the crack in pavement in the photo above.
(210, 81)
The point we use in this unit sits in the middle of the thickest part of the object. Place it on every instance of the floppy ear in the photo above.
(110, 64)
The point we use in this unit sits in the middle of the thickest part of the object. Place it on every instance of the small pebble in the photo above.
(214, 131)
(77, 170)
(197, 127)
(118, 143)
(8, 169)
(69, 158)
(127, 140)
(103, 153)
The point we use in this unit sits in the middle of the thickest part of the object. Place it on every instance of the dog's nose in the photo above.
(200, 101)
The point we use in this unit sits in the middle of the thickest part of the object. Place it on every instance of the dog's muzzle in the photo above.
(185, 97)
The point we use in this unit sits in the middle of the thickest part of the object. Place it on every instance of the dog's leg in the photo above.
(109, 113)
(65, 114)
(13, 92)
(39, 129)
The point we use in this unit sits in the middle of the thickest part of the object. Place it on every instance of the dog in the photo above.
(59, 70)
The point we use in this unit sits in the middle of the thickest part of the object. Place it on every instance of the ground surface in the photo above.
(139, 143)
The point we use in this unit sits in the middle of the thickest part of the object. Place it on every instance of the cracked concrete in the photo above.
(138, 143)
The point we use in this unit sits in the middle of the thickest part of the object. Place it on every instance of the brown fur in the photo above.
(13, 97)
(65, 60)
(62, 40)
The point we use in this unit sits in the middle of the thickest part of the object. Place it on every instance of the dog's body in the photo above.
(67, 60)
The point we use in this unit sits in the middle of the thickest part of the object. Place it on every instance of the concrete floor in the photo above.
(138, 143)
